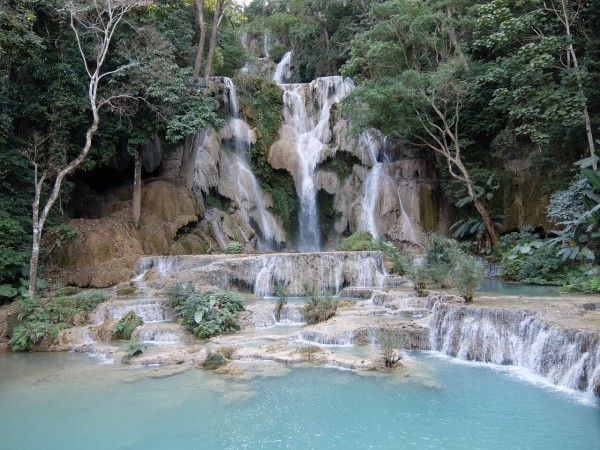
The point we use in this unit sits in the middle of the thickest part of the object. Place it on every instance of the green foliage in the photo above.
(317, 309)
(358, 241)
(207, 312)
(341, 164)
(577, 209)
(525, 47)
(217, 201)
(533, 261)
(136, 348)
(449, 265)
(277, 51)
(281, 293)
(261, 103)
(65, 233)
(125, 326)
(40, 320)
(588, 281)
(390, 343)
(469, 272)
(363, 241)
(234, 248)
(67, 291)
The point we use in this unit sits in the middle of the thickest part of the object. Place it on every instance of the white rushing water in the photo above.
(368, 221)
(568, 358)
(307, 110)
(237, 175)
(283, 72)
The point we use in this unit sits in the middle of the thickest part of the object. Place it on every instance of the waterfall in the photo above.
(309, 130)
(266, 44)
(239, 180)
(283, 71)
(568, 358)
(328, 271)
(368, 220)
(407, 225)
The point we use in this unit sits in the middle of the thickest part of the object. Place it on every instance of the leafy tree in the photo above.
(533, 65)
(412, 56)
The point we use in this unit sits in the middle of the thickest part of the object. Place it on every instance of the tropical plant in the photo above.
(578, 210)
(136, 348)
(208, 312)
(38, 320)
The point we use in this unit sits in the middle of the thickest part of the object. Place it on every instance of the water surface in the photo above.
(69, 401)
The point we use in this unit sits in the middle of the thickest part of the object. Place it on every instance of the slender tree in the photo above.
(96, 20)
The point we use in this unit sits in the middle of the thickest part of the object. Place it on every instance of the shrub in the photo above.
(125, 326)
(363, 241)
(390, 343)
(358, 241)
(447, 264)
(234, 248)
(37, 320)
(317, 309)
(281, 293)
(277, 51)
(420, 276)
(207, 312)
(535, 263)
(136, 348)
(469, 272)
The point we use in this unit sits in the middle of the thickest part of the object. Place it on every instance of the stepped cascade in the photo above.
(566, 357)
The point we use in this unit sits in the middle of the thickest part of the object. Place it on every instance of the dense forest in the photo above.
(481, 88)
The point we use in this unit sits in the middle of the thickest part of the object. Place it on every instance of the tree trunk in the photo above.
(188, 160)
(199, 4)
(213, 39)
(479, 206)
(137, 187)
(566, 20)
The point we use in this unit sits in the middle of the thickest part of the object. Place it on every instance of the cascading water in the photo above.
(309, 130)
(368, 221)
(238, 176)
(266, 44)
(567, 357)
(283, 71)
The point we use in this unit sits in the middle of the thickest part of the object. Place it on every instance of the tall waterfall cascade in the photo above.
(311, 133)
(234, 178)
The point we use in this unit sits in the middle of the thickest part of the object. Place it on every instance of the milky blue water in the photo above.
(69, 401)
(496, 286)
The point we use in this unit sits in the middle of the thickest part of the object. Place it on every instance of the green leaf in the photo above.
(6, 290)
(592, 176)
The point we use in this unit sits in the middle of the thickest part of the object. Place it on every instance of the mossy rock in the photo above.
(214, 360)
(124, 327)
